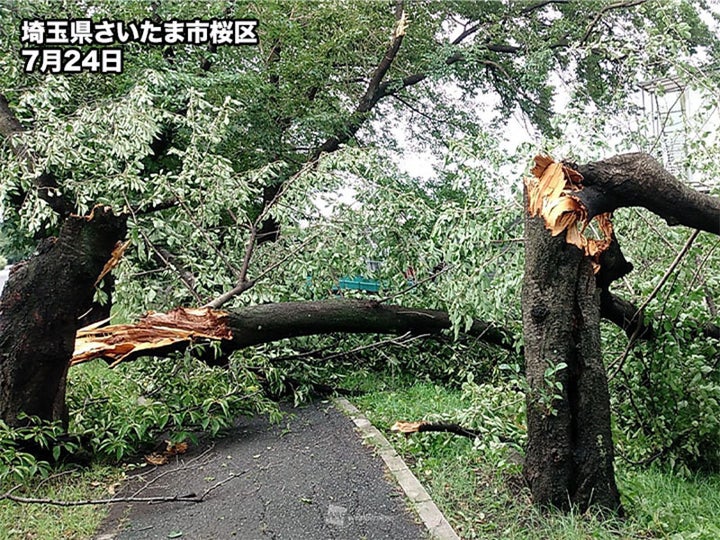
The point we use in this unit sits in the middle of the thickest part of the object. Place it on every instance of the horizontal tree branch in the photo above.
(631, 319)
(638, 179)
(161, 333)
(626, 316)
(469, 31)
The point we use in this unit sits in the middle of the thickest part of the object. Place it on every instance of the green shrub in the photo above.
(667, 402)
(17, 465)
(125, 410)
(120, 413)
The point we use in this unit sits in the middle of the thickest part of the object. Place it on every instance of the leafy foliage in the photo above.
(176, 397)
(17, 464)
(668, 401)
(665, 392)
(14, 245)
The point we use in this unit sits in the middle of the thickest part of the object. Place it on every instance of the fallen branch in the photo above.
(421, 427)
(159, 253)
(190, 497)
(244, 283)
(408, 428)
(158, 334)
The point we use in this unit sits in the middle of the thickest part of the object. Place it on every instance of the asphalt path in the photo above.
(310, 477)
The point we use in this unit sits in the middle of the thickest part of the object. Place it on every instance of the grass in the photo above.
(479, 489)
(43, 521)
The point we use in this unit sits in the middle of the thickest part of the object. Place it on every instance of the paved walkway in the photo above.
(307, 478)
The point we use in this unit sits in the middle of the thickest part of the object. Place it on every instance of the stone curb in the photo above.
(430, 514)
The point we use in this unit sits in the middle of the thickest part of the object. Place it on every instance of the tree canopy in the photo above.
(196, 140)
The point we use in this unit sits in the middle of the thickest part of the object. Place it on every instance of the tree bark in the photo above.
(161, 333)
(271, 322)
(569, 459)
(638, 179)
(39, 311)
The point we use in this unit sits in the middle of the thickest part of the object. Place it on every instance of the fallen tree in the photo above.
(38, 340)
(293, 111)
(564, 284)
(158, 334)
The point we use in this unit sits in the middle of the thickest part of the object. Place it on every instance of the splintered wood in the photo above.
(550, 195)
(154, 331)
(115, 257)
(407, 427)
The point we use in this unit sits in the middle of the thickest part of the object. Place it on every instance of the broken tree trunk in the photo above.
(39, 311)
(161, 333)
(569, 458)
(569, 461)
(570, 452)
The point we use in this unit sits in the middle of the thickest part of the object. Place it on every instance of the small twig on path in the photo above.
(190, 497)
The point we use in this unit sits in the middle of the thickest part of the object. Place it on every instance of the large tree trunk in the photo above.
(39, 311)
(570, 451)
